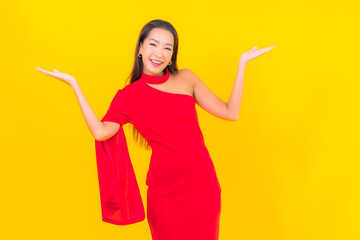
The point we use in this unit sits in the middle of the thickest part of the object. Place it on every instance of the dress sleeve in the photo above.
(117, 111)
(120, 198)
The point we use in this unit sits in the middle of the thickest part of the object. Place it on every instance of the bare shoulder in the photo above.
(184, 81)
(186, 72)
(188, 76)
(206, 98)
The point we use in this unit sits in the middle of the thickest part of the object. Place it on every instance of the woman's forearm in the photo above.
(93, 122)
(234, 102)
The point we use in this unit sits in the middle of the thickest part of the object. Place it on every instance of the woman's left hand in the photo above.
(253, 53)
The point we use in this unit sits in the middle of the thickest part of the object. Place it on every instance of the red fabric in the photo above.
(121, 202)
(184, 194)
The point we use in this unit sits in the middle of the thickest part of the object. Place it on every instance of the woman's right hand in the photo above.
(66, 78)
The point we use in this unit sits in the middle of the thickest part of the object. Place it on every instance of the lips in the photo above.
(157, 62)
(154, 63)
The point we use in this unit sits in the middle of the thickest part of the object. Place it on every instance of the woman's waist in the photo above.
(169, 172)
(163, 163)
(183, 154)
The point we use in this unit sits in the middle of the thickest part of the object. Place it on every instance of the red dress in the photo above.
(184, 194)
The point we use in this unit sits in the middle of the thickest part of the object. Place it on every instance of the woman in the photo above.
(184, 195)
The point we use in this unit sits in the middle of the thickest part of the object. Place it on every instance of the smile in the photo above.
(155, 63)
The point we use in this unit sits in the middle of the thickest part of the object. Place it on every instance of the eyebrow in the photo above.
(158, 42)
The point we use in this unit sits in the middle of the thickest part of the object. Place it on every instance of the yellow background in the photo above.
(288, 167)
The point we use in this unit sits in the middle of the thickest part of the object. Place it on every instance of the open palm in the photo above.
(253, 53)
(68, 79)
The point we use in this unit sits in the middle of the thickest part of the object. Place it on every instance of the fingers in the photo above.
(268, 48)
(264, 50)
(42, 70)
(53, 74)
(46, 72)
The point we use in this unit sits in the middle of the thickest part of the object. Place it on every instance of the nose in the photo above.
(158, 53)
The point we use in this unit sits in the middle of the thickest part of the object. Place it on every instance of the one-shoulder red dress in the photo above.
(184, 194)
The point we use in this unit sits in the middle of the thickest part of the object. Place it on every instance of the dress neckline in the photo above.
(155, 79)
(146, 78)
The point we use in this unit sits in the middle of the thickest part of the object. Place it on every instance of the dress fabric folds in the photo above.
(121, 202)
(184, 194)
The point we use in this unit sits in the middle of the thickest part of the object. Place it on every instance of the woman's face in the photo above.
(158, 47)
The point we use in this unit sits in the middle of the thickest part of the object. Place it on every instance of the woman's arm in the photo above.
(234, 102)
(100, 130)
(212, 103)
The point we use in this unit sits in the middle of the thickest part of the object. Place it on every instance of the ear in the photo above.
(140, 48)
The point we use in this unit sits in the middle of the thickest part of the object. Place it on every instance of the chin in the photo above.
(156, 71)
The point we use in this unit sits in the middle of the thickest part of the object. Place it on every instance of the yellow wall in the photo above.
(288, 167)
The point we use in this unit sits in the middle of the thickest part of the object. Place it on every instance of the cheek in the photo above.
(148, 52)
(169, 55)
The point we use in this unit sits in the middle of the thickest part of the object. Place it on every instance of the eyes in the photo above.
(155, 45)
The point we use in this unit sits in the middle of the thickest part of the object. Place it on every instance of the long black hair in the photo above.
(138, 63)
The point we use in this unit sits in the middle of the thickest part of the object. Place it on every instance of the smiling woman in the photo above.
(183, 190)
(157, 48)
(184, 194)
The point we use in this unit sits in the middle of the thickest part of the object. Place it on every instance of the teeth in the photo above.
(155, 61)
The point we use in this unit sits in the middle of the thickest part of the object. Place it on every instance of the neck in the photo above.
(155, 79)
